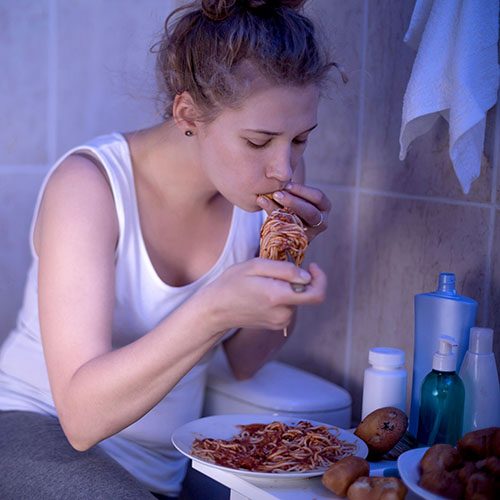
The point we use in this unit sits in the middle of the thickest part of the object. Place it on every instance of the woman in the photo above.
(144, 251)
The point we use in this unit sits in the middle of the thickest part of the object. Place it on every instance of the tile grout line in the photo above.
(354, 251)
(405, 196)
(52, 84)
(491, 229)
(488, 268)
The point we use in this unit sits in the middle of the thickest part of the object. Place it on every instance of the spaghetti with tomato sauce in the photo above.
(283, 233)
(275, 448)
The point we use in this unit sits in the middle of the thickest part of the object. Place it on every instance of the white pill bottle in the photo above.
(385, 380)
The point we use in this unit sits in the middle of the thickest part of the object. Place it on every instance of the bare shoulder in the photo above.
(78, 193)
(82, 173)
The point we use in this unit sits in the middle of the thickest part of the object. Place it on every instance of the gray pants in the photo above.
(37, 462)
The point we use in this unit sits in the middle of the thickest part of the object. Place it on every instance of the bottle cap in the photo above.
(386, 356)
(481, 340)
(446, 283)
(444, 359)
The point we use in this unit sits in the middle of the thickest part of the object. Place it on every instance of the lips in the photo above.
(269, 196)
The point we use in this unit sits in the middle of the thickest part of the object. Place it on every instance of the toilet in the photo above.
(277, 389)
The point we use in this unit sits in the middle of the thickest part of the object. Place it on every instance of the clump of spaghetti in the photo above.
(283, 233)
(275, 448)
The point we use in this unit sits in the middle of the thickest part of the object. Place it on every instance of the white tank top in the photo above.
(142, 301)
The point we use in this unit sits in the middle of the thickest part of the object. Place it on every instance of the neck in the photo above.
(166, 166)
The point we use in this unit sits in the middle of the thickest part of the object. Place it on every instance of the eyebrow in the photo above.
(268, 132)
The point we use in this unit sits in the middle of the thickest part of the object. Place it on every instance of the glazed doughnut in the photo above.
(471, 471)
(440, 457)
(481, 443)
(481, 486)
(377, 488)
(342, 474)
(444, 483)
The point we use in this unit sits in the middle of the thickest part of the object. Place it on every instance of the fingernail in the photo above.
(304, 275)
(288, 186)
(278, 195)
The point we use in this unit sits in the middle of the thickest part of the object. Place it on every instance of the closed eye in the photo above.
(257, 146)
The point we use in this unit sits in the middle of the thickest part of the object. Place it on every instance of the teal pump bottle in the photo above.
(442, 312)
(442, 399)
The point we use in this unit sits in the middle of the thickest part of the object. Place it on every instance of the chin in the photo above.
(248, 206)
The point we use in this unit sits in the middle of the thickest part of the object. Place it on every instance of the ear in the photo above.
(184, 112)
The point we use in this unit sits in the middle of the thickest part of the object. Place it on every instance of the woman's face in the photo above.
(256, 148)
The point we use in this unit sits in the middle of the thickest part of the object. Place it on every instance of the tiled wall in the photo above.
(72, 70)
(394, 225)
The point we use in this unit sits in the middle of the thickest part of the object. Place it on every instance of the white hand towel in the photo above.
(455, 75)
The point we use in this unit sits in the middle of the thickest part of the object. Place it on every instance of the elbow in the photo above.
(79, 444)
(79, 439)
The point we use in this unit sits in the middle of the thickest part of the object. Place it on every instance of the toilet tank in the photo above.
(277, 389)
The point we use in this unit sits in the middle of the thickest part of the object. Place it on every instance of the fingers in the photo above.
(285, 273)
(319, 280)
(267, 204)
(310, 194)
(280, 270)
(309, 203)
(314, 292)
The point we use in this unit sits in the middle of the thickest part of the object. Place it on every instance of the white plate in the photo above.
(410, 473)
(226, 426)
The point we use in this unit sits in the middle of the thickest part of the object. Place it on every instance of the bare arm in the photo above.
(99, 391)
(250, 349)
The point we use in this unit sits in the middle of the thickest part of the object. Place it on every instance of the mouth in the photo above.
(269, 196)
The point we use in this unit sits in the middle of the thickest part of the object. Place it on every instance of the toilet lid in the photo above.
(278, 386)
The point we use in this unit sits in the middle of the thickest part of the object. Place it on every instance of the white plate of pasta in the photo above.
(266, 446)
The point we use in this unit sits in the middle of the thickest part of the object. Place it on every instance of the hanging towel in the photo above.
(455, 75)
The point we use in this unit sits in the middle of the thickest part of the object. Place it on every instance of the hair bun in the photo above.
(262, 4)
(218, 10)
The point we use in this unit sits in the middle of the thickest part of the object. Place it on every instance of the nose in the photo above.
(280, 167)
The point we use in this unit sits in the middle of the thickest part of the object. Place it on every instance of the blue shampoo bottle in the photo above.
(442, 312)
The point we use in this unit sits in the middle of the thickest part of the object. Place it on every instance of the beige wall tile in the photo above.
(388, 66)
(332, 151)
(318, 343)
(17, 198)
(403, 245)
(24, 81)
(106, 77)
(427, 169)
(493, 319)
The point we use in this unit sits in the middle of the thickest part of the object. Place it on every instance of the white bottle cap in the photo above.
(386, 356)
(481, 340)
(445, 360)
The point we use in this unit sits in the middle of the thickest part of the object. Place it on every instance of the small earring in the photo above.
(189, 133)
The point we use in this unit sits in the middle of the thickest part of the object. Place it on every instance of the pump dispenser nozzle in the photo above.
(445, 358)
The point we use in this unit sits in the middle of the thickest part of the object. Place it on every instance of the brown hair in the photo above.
(207, 45)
